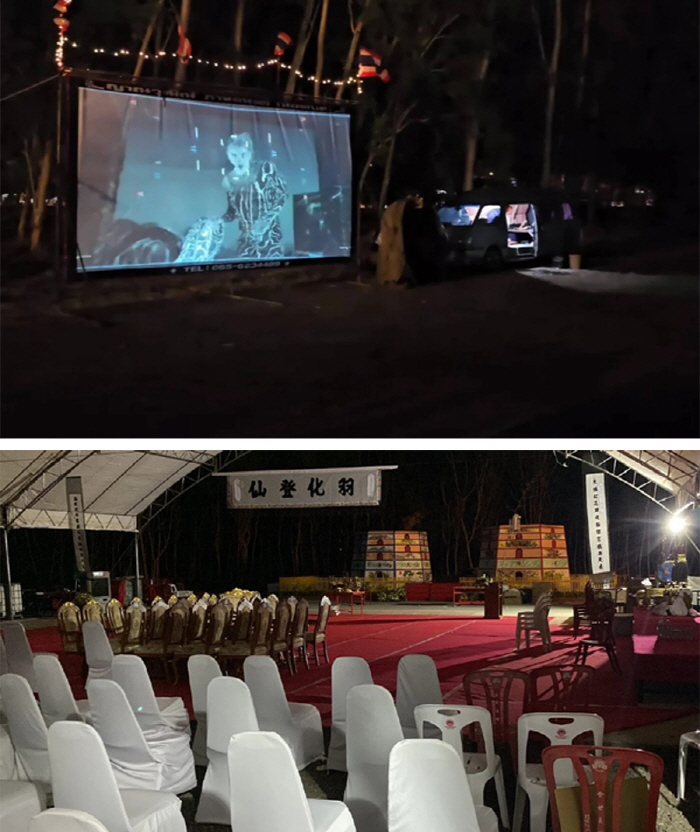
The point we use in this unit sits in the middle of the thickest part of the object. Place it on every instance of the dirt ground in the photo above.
(485, 355)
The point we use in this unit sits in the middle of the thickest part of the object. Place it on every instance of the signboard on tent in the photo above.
(306, 488)
(596, 505)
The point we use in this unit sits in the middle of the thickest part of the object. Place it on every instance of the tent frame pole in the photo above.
(9, 607)
(138, 570)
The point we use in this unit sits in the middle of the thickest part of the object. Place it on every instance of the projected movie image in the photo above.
(166, 182)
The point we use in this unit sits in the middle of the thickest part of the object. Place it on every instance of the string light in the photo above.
(261, 65)
(62, 23)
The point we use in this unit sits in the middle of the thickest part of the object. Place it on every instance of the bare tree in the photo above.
(584, 53)
(535, 503)
(305, 29)
(552, 75)
(148, 34)
(320, 48)
(356, 28)
(238, 38)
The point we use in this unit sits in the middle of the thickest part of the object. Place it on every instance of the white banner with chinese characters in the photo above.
(597, 523)
(305, 488)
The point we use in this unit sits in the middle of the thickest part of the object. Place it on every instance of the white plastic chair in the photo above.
(19, 802)
(201, 670)
(165, 765)
(20, 659)
(560, 728)
(428, 790)
(691, 739)
(346, 672)
(267, 794)
(65, 820)
(417, 683)
(83, 779)
(55, 695)
(152, 712)
(230, 711)
(373, 730)
(27, 730)
(479, 767)
(299, 725)
(98, 651)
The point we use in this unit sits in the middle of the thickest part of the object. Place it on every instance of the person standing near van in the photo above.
(425, 242)
(391, 258)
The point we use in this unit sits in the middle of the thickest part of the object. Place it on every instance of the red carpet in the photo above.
(457, 644)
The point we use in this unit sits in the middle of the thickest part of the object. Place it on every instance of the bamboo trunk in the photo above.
(386, 178)
(320, 48)
(40, 196)
(147, 38)
(238, 38)
(470, 157)
(551, 95)
(300, 50)
(350, 60)
(23, 217)
(181, 70)
(584, 54)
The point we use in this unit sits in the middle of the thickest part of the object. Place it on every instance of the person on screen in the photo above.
(256, 193)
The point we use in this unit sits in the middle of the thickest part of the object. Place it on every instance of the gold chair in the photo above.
(70, 627)
(297, 634)
(318, 634)
(238, 647)
(92, 611)
(279, 641)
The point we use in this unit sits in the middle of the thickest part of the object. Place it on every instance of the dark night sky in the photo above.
(44, 558)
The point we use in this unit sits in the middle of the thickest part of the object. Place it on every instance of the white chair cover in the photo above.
(20, 659)
(4, 666)
(166, 766)
(560, 728)
(480, 767)
(55, 695)
(152, 713)
(83, 779)
(299, 725)
(8, 763)
(27, 730)
(373, 730)
(417, 683)
(346, 672)
(19, 802)
(230, 711)
(66, 820)
(267, 794)
(98, 651)
(428, 790)
(201, 670)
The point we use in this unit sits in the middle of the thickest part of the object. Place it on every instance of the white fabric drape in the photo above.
(428, 790)
(19, 802)
(346, 672)
(166, 765)
(152, 713)
(417, 683)
(298, 724)
(267, 794)
(98, 651)
(8, 764)
(373, 730)
(55, 695)
(65, 820)
(27, 730)
(83, 779)
(201, 670)
(4, 666)
(230, 711)
(20, 659)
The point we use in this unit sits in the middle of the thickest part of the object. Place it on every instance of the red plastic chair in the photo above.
(601, 772)
(564, 687)
(506, 696)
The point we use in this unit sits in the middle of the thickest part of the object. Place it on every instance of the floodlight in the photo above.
(676, 524)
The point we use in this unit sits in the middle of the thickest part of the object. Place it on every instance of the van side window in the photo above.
(489, 213)
(568, 213)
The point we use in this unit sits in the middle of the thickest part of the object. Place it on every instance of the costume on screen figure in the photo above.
(256, 193)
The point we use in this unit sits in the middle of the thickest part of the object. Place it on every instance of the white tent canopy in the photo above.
(117, 485)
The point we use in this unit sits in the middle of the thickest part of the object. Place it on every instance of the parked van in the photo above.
(496, 226)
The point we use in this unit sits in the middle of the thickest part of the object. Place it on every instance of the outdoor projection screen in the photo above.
(188, 185)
